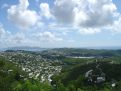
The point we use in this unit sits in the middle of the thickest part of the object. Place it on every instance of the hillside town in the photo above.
(34, 65)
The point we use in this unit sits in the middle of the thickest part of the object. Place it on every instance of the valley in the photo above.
(66, 69)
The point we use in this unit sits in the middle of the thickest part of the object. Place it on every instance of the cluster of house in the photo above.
(36, 66)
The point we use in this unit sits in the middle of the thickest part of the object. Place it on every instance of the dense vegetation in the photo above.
(74, 79)
(13, 79)
(72, 76)
(83, 52)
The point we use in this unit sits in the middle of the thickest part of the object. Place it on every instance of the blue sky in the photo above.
(60, 23)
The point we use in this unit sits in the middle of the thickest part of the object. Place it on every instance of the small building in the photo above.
(100, 79)
(96, 75)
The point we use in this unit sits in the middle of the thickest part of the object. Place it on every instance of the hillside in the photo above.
(60, 70)
(74, 78)
(12, 78)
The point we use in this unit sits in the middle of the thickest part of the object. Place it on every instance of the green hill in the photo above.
(13, 78)
(74, 78)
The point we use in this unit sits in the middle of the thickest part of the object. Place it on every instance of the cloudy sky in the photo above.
(60, 23)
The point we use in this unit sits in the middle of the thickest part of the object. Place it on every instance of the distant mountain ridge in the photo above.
(27, 48)
(24, 48)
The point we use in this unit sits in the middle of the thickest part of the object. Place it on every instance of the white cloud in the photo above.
(47, 37)
(116, 27)
(22, 16)
(19, 38)
(45, 10)
(7, 39)
(4, 36)
(2, 31)
(85, 13)
(85, 16)
(63, 11)
(89, 15)
(86, 31)
(61, 21)
(25, 38)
